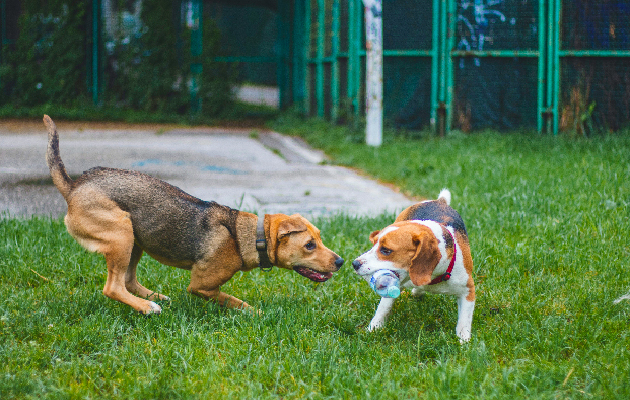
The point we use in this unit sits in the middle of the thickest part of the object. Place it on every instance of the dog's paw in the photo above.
(253, 311)
(375, 324)
(158, 297)
(152, 309)
(464, 336)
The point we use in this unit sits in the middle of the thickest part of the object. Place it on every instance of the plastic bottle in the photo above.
(385, 283)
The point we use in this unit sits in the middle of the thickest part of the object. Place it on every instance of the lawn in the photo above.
(548, 221)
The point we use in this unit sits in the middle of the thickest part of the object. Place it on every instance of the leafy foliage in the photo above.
(146, 59)
(48, 61)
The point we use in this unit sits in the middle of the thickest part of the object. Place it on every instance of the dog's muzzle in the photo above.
(317, 276)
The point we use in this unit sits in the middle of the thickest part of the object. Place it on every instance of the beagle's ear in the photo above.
(373, 237)
(426, 258)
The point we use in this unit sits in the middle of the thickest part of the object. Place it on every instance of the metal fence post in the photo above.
(334, 73)
(541, 67)
(281, 60)
(3, 35)
(451, 28)
(196, 48)
(356, 51)
(550, 66)
(3, 26)
(556, 68)
(298, 66)
(354, 59)
(441, 113)
(96, 35)
(321, 32)
(307, 55)
(374, 72)
(435, 66)
(351, 58)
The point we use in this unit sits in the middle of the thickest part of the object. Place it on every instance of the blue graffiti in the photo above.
(476, 31)
(376, 10)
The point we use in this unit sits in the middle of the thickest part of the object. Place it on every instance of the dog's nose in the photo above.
(356, 264)
(339, 262)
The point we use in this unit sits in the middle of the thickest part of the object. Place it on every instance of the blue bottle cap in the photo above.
(393, 291)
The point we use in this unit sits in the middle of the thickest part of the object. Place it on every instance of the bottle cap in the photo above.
(393, 291)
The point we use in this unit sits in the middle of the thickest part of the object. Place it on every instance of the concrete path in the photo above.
(245, 169)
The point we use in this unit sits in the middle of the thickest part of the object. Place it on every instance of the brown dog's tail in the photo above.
(57, 170)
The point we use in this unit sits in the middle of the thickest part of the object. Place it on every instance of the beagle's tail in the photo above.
(445, 196)
(57, 170)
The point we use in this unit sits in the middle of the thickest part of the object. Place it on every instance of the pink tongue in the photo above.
(313, 275)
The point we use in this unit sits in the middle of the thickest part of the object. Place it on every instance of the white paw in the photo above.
(376, 324)
(155, 309)
(251, 311)
(464, 336)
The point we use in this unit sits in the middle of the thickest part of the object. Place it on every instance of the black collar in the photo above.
(261, 245)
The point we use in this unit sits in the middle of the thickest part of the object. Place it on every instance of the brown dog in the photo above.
(122, 213)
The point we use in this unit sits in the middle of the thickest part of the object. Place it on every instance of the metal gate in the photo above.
(469, 65)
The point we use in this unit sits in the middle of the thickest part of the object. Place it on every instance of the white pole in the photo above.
(374, 72)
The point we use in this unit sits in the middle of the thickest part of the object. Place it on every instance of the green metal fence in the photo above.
(547, 65)
(142, 54)
(507, 64)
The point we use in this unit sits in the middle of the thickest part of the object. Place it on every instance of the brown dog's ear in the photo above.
(278, 226)
(306, 223)
(272, 221)
(373, 236)
(426, 258)
(292, 224)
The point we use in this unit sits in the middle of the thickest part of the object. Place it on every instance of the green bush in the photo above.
(145, 63)
(47, 62)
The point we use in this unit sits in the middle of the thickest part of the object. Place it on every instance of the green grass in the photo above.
(239, 114)
(548, 220)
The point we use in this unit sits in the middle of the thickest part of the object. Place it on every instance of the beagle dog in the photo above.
(427, 247)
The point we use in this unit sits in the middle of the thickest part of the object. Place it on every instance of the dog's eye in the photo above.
(385, 251)
(310, 246)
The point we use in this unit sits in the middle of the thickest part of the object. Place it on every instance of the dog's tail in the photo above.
(57, 170)
(445, 196)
